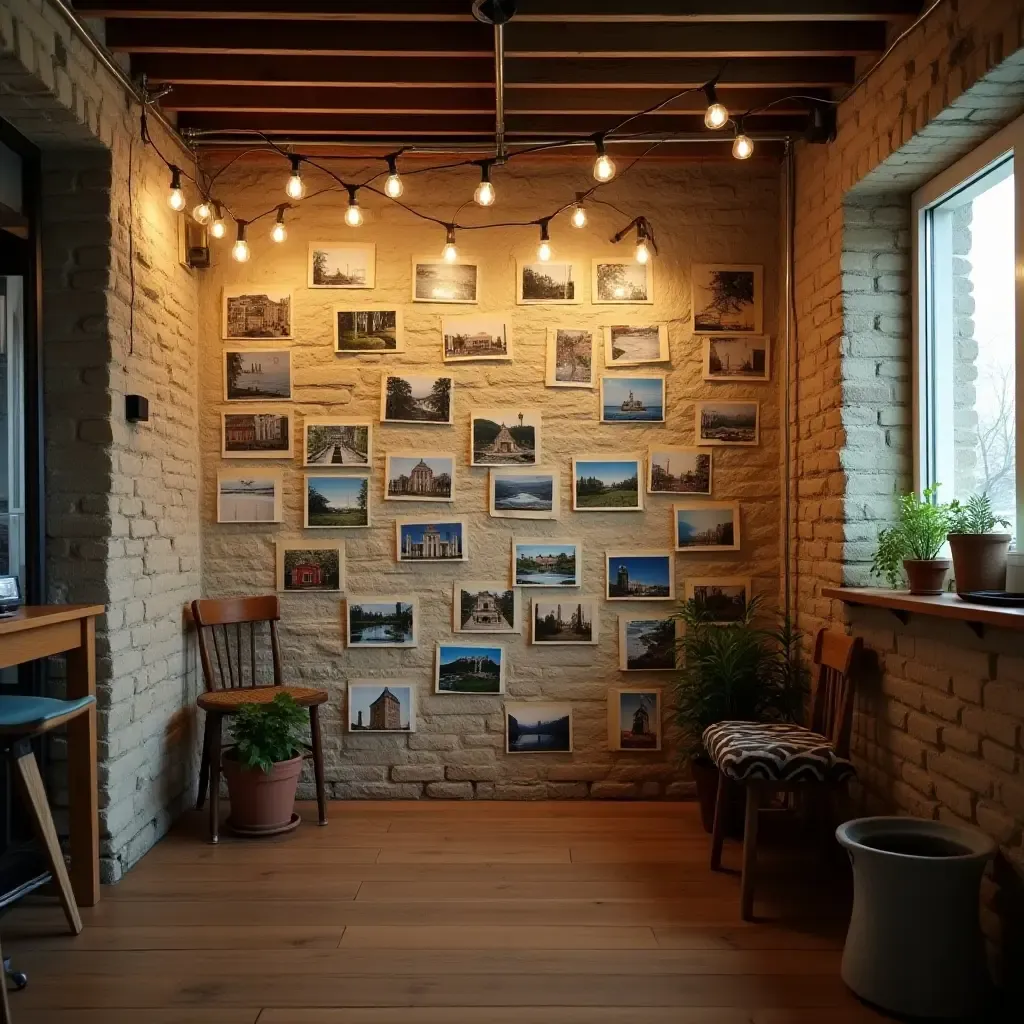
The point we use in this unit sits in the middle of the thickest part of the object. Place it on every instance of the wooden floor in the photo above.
(447, 913)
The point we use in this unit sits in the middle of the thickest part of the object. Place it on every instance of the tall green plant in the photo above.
(919, 534)
(974, 517)
(268, 733)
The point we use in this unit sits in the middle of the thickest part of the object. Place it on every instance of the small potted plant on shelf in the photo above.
(979, 553)
(735, 671)
(262, 768)
(914, 543)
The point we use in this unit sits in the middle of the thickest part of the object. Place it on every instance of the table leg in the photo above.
(215, 745)
(82, 795)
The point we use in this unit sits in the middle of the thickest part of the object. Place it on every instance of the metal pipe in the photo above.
(499, 93)
(790, 372)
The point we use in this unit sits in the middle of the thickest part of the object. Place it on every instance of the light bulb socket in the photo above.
(392, 163)
(710, 93)
(280, 213)
(296, 162)
(175, 177)
(738, 126)
(240, 226)
(449, 235)
(599, 144)
(544, 234)
(352, 191)
(485, 170)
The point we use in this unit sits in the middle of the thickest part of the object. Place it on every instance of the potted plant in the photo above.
(914, 543)
(262, 768)
(979, 553)
(735, 671)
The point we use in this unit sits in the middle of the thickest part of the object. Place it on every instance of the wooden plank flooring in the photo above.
(431, 913)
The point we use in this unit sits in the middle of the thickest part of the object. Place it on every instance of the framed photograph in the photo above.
(381, 706)
(486, 607)
(551, 283)
(416, 399)
(465, 668)
(722, 599)
(620, 280)
(338, 443)
(524, 493)
(735, 423)
(570, 358)
(607, 483)
(434, 280)
(707, 526)
(258, 375)
(336, 502)
(381, 621)
(558, 622)
(256, 435)
(729, 359)
(505, 437)
(342, 265)
(421, 541)
(632, 345)
(648, 643)
(538, 727)
(640, 576)
(249, 495)
(727, 299)
(263, 314)
(547, 563)
(412, 477)
(474, 338)
(310, 567)
(373, 330)
(634, 399)
(678, 471)
(634, 719)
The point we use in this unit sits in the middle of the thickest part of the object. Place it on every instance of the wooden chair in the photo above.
(782, 757)
(226, 653)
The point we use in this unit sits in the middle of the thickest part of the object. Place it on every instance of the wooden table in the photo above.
(38, 632)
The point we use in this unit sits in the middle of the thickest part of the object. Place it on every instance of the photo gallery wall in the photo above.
(339, 491)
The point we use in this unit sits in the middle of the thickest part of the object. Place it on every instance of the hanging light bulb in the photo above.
(717, 114)
(295, 187)
(643, 251)
(742, 145)
(240, 250)
(393, 186)
(353, 215)
(278, 233)
(202, 211)
(175, 197)
(604, 165)
(484, 194)
(450, 253)
(218, 229)
(544, 249)
(579, 216)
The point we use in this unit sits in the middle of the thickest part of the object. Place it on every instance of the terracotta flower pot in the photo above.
(979, 560)
(926, 576)
(705, 776)
(261, 801)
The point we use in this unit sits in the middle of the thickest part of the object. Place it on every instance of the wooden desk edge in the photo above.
(36, 616)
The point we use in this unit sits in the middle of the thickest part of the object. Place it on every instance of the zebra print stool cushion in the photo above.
(773, 751)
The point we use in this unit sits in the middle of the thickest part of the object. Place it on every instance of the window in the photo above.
(969, 326)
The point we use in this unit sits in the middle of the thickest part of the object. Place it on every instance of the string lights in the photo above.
(295, 187)
(278, 233)
(742, 144)
(218, 229)
(544, 248)
(240, 250)
(484, 194)
(393, 186)
(579, 215)
(717, 114)
(449, 252)
(175, 197)
(353, 215)
(604, 165)
(202, 211)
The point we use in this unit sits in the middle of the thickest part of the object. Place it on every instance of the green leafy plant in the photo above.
(268, 733)
(919, 534)
(974, 517)
(736, 671)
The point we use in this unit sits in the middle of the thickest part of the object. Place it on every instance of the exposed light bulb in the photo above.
(449, 253)
(240, 250)
(202, 212)
(643, 254)
(717, 115)
(393, 186)
(295, 187)
(579, 216)
(484, 194)
(544, 249)
(742, 146)
(278, 233)
(604, 165)
(353, 215)
(175, 197)
(218, 229)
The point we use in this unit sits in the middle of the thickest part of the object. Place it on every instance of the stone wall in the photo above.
(703, 213)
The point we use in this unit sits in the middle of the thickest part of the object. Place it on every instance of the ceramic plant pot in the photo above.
(979, 560)
(926, 576)
(261, 801)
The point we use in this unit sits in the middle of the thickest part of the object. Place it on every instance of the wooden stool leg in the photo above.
(318, 762)
(718, 831)
(749, 852)
(214, 721)
(35, 793)
(5, 1007)
(204, 766)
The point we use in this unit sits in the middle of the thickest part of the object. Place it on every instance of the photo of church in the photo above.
(413, 477)
(485, 607)
(419, 541)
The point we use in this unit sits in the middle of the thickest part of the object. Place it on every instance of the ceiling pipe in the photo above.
(499, 93)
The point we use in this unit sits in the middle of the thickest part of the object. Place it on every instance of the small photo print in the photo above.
(548, 282)
(505, 437)
(261, 314)
(431, 542)
(536, 727)
(720, 600)
(336, 502)
(359, 331)
(678, 471)
(249, 496)
(707, 526)
(727, 423)
(607, 483)
(342, 264)
(338, 443)
(634, 719)
(412, 399)
(486, 607)
(622, 281)
(438, 281)
(256, 435)
(464, 668)
(257, 375)
(381, 622)
(467, 338)
(559, 621)
(648, 643)
(310, 568)
(640, 576)
(375, 706)
(570, 358)
(546, 563)
(412, 477)
(727, 299)
(633, 399)
(518, 493)
(737, 359)
(631, 345)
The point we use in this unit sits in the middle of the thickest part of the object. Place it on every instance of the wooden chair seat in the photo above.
(774, 752)
(229, 701)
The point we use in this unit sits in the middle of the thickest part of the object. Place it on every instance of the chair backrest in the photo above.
(835, 655)
(228, 629)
